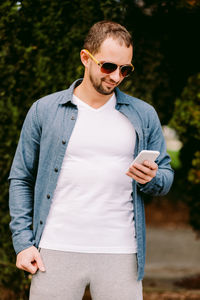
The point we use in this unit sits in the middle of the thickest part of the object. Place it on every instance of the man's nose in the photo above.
(116, 75)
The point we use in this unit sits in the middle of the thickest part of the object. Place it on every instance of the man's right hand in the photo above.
(30, 260)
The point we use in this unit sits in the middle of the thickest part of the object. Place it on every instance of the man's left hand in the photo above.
(143, 173)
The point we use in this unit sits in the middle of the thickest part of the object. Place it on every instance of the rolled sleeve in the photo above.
(161, 183)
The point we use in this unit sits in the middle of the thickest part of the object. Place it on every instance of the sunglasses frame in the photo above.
(101, 64)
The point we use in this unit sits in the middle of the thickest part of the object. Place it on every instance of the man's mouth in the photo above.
(111, 84)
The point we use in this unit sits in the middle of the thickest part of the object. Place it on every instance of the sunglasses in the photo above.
(108, 67)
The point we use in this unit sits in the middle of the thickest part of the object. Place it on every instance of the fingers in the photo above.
(138, 179)
(30, 260)
(143, 173)
(29, 267)
(150, 164)
(25, 265)
(40, 263)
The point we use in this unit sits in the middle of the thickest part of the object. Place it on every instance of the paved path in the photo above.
(172, 253)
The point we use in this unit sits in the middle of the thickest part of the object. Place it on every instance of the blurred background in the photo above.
(40, 42)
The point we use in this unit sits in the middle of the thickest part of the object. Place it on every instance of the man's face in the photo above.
(110, 51)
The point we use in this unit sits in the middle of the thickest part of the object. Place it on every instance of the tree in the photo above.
(186, 120)
(165, 50)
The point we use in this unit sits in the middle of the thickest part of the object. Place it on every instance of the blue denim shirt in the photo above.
(37, 163)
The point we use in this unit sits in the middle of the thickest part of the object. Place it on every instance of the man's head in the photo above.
(111, 43)
(102, 30)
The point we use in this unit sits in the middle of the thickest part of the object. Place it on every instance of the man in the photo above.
(72, 175)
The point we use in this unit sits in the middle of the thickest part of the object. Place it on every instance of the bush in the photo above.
(186, 121)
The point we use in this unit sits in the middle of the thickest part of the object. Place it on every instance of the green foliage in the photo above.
(175, 163)
(186, 120)
(194, 172)
(165, 52)
(9, 131)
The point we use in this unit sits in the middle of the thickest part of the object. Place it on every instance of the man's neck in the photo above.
(90, 96)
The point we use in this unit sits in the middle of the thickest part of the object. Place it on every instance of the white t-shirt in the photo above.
(92, 208)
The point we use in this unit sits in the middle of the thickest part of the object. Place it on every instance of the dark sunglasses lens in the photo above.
(108, 68)
(126, 70)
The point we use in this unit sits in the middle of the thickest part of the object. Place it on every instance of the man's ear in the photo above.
(84, 58)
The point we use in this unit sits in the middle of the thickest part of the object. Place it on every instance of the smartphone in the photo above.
(146, 155)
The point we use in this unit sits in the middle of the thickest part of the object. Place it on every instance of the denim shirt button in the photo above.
(63, 142)
(56, 170)
(48, 196)
(41, 222)
(72, 118)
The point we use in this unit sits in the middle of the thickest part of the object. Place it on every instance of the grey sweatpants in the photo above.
(110, 276)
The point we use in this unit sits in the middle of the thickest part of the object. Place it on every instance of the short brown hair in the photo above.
(104, 29)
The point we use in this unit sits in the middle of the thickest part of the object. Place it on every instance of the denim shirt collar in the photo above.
(121, 99)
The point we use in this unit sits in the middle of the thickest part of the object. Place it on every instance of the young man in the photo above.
(71, 180)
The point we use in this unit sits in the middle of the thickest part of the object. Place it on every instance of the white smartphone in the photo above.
(146, 155)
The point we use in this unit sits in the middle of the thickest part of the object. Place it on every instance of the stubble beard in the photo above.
(99, 86)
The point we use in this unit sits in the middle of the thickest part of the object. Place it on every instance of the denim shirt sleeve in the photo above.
(161, 183)
(22, 180)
